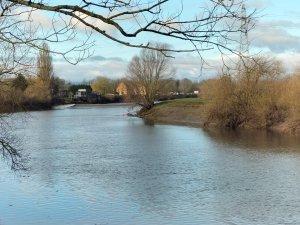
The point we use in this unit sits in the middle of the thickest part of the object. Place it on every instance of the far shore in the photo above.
(104, 104)
(190, 112)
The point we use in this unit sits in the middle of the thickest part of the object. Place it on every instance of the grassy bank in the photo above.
(187, 111)
(192, 112)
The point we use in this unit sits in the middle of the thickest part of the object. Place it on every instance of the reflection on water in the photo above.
(97, 166)
(255, 139)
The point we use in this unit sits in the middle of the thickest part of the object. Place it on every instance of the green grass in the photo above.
(183, 102)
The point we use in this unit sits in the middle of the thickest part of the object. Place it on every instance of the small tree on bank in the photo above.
(145, 73)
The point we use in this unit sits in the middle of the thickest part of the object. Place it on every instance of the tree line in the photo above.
(34, 91)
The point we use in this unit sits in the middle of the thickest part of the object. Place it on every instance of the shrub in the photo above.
(246, 97)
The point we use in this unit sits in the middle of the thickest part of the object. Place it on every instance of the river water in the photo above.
(94, 165)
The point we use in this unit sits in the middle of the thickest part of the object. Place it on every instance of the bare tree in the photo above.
(44, 64)
(124, 21)
(145, 73)
(9, 145)
(45, 70)
(13, 62)
(185, 86)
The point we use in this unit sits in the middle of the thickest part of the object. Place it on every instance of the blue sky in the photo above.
(276, 34)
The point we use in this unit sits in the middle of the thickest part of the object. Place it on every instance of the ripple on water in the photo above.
(95, 166)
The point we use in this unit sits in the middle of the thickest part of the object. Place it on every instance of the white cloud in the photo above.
(44, 20)
(276, 40)
(89, 70)
(259, 4)
(291, 61)
(114, 67)
(275, 36)
(111, 30)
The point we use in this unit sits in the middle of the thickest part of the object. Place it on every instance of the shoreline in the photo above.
(176, 112)
(192, 114)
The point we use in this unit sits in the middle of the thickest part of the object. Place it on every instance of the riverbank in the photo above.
(190, 112)
(187, 111)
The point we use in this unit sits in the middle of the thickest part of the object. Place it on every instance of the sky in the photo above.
(275, 34)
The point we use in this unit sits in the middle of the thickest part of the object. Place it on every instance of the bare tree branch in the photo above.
(211, 29)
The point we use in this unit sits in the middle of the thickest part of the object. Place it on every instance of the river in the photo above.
(95, 165)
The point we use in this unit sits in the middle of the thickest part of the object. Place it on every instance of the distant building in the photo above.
(81, 93)
(125, 88)
(122, 89)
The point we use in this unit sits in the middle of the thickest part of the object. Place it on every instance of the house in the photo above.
(126, 88)
(81, 93)
(122, 88)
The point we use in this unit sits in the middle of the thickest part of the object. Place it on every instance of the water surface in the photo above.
(95, 165)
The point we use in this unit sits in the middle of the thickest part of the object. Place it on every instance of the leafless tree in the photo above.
(13, 62)
(124, 21)
(145, 73)
(45, 70)
(44, 64)
(9, 144)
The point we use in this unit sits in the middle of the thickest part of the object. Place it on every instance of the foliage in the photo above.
(185, 86)
(248, 98)
(20, 82)
(58, 85)
(10, 99)
(38, 91)
(104, 85)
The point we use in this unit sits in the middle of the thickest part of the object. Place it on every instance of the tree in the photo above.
(8, 145)
(169, 87)
(44, 64)
(102, 85)
(145, 73)
(14, 60)
(185, 86)
(45, 72)
(20, 82)
(249, 96)
(213, 27)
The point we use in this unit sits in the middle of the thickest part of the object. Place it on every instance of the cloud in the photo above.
(291, 61)
(186, 67)
(259, 4)
(276, 40)
(275, 36)
(102, 58)
(109, 29)
(190, 67)
(89, 70)
(115, 68)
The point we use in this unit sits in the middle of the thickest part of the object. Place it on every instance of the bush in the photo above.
(246, 97)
